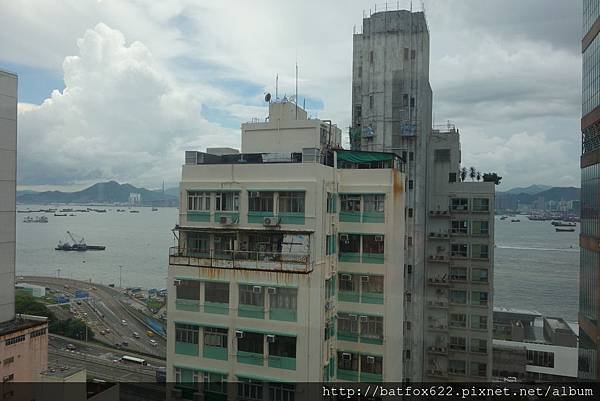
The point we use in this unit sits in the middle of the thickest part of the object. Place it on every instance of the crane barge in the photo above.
(77, 245)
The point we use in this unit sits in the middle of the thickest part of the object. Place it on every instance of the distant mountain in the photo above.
(531, 190)
(172, 191)
(508, 200)
(103, 192)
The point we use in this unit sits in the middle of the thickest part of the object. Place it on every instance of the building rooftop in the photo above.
(61, 371)
(21, 322)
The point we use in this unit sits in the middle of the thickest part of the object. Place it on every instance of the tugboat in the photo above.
(79, 246)
(561, 230)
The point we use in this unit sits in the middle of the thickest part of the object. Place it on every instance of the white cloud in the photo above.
(120, 116)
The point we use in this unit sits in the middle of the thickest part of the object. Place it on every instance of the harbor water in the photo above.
(535, 266)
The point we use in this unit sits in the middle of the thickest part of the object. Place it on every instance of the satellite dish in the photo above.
(268, 97)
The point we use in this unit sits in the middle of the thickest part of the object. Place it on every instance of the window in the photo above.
(227, 201)
(458, 297)
(411, 156)
(406, 53)
(251, 342)
(250, 389)
(371, 56)
(412, 102)
(458, 320)
(291, 202)
(458, 273)
(8, 378)
(410, 212)
(480, 227)
(479, 275)
(199, 201)
(478, 369)
(371, 364)
(372, 284)
(442, 155)
(349, 243)
(37, 333)
(413, 54)
(371, 327)
(458, 343)
(479, 322)
(481, 204)
(350, 203)
(479, 251)
(284, 298)
(479, 345)
(216, 292)
(358, 113)
(9, 360)
(374, 203)
(14, 340)
(347, 361)
(330, 244)
(215, 382)
(540, 358)
(331, 203)
(411, 184)
(249, 295)
(186, 333)
(198, 244)
(371, 102)
(457, 367)
(215, 337)
(284, 346)
(405, 100)
(459, 227)
(186, 375)
(281, 391)
(347, 323)
(360, 71)
(458, 250)
(459, 204)
(373, 245)
(188, 289)
(260, 201)
(348, 282)
(451, 177)
(479, 298)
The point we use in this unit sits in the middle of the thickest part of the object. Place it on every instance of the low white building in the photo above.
(37, 291)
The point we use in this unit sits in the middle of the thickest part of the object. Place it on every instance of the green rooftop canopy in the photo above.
(363, 157)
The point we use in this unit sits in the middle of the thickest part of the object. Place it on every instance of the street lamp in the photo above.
(120, 276)
(58, 272)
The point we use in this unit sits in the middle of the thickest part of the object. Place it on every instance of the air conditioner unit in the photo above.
(257, 289)
(344, 237)
(272, 290)
(364, 279)
(239, 334)
(379, 238)
(345, 277)
(329, 305)
(346, 356)
(270, 338)
(364, 318)
(176, 283)
(353, 317)
(225, 220)
(370, 359)
(271, 221)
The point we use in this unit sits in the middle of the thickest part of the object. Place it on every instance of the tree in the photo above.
(479, 176)
(463, 174)
(472, 173)
(28, 305)
(492, 177)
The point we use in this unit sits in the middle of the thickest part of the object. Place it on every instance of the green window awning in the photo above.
(363, 157)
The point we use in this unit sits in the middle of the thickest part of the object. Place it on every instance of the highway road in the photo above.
(99, 361)
(104, 310)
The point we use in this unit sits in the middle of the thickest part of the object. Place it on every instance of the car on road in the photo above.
(124, 322)
(153, 343)
(150, 333)
(70, 347)
(103, 332)
(136, 334)
(124, 344)
(107, 330)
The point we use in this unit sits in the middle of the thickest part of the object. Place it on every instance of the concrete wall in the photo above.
(8, 169)
(565, 358)
(30, 357)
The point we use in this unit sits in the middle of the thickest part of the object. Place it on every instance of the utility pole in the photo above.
(58, 272)
(120, 276)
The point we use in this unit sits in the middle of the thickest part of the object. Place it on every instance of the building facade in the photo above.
(531, 347)
(449, 222)
(589, 295)
(286, 264)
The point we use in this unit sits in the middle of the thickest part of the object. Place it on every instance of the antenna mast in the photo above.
(296, 101)
(276, 87)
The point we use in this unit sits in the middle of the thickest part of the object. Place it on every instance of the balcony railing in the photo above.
(245, 260)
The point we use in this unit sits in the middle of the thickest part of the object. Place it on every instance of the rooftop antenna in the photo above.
(296, 100)
(276, 87)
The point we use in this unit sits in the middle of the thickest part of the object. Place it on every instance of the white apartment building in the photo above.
(288, 263)
(449, 224)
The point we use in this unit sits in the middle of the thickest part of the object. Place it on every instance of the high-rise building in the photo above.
(449, 222)
(287, 261)
(589, 299)
(23, 339)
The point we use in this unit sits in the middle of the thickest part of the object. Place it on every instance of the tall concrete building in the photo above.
(449, 224)
(23, 339)
(589, 295)
(286, 263)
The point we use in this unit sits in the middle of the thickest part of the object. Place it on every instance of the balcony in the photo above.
(438, 259)
(214, 352)
(282, 362)
(438, 304)
(438, 281)
(438, 327)
(243, 260)
(459, 232)
(438, 235)
(439, 213)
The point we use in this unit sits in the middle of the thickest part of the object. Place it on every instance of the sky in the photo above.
(119, 89)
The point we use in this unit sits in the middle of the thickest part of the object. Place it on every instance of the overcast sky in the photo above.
(116, 89)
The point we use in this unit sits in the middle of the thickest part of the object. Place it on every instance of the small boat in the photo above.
(41, 219)
(60, 214)
(100, 210)
(563, 224)
(155, 209)
(28, 219)
(503, 218)
(515, 220)
(134, 211)
(562, 230)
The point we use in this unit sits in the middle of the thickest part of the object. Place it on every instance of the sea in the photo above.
(536, 268)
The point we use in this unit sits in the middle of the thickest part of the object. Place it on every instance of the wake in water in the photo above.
(525, 248)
